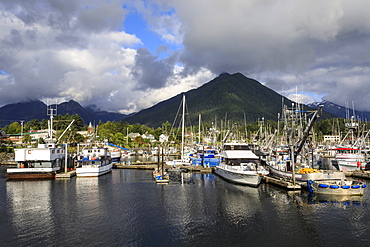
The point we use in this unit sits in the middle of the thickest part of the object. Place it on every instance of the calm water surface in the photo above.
(126, 208)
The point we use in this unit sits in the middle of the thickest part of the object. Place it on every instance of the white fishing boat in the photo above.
(93, 162)
(338, 187)
(350, 158)
(240, 165)
(42, 162)
(304, 174)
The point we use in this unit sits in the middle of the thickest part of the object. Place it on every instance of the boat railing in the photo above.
(242, 167)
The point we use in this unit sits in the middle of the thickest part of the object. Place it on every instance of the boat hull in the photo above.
(338, 188)
(31, 175)
(93, 171)
(251, 179)
(348, 166)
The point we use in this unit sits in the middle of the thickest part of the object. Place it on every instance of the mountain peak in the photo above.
(223, 74)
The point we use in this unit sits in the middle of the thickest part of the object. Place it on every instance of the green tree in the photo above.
(106, 130)
(118, 139)
(14, 128)
(27, 139)
(32, 124)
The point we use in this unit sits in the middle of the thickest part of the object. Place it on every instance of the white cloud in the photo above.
(79, 49)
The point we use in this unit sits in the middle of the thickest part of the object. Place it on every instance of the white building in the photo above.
(163, 138)
(149, 136)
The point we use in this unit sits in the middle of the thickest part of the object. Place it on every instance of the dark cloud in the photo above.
(149, 71)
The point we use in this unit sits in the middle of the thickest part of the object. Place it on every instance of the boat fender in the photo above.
(334, 186)
(364, 186)
(356, 186)
(309, 185)
(323, 185)
(346, 186)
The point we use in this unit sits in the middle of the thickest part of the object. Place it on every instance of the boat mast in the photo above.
(183, 127)
(199, 128)
(51, 112)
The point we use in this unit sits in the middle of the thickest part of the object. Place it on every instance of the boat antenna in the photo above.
(51, 111)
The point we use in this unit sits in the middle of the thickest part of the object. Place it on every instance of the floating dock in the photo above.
(67, 174)
(153, 165)
(361, 174)
(282, 183)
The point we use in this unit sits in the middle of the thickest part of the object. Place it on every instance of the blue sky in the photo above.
(127, 55)
(134, 24)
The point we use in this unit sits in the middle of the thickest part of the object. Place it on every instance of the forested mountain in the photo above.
(26, 111)
(229, 97)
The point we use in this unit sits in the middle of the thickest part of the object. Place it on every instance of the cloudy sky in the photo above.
(128, 55)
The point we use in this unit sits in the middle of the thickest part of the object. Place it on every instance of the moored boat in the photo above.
(93, 162)
(350, 158)
(160, 176)
(338, 187)
(207, 157)
(240, 165)
(42, 162)
(306, 174)
(115, 155)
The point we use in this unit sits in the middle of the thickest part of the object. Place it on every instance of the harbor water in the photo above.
(127, 208)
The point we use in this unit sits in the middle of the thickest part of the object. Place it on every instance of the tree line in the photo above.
(117, 132)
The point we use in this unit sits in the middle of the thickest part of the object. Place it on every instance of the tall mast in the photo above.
(51, 112)
(199, 128)
(183, 127)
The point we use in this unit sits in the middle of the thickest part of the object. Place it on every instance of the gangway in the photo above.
(114, 145)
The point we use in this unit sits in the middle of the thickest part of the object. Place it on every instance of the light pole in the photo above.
(22, 131)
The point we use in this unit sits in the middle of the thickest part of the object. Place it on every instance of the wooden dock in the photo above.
(361, 174)
(153, 165)
(282, 183)
(68, 174)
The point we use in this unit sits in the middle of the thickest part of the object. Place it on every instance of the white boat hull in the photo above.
(349, 166)
(175, 163)
(90, 171)
(250, 178)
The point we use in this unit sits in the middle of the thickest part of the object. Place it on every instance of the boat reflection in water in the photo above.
(335, 199)
(29, 204)
(241, 203)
